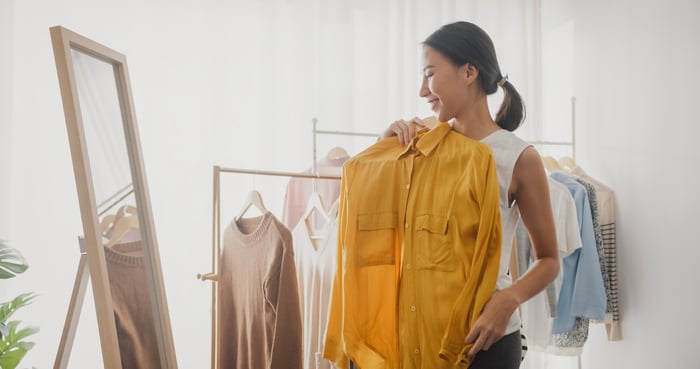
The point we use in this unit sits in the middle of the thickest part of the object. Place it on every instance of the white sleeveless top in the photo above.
(506, 148)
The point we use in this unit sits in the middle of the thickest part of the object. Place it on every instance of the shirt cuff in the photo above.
(456, 355)
(334, 355)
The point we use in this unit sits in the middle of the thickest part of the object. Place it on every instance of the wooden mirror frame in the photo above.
(64, 41)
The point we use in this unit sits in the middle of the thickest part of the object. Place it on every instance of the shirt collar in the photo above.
(427, 140)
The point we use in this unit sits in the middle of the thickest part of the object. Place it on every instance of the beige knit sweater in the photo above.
(258, 295)
(138, 346)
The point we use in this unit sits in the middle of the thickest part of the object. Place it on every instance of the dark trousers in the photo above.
(504, 354)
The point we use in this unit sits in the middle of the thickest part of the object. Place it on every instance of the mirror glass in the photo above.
(102, 123)
(123, 242)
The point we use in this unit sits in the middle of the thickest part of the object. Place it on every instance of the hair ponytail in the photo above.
(512, 112)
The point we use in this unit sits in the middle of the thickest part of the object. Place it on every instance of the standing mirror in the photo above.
(118, 231)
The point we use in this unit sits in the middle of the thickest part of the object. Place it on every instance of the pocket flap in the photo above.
(370, 222)
(432, 223)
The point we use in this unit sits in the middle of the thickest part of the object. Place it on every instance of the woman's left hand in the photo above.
(491, 324)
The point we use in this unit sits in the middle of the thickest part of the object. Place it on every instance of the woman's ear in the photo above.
(469, 73)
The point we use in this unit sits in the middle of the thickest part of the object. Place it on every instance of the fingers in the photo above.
(482, 339)
(409, 131)
(478, 345)
(418, 122)
(472, 336)
(402, 128)
(399, 129)
(405, 130)
(393, 130)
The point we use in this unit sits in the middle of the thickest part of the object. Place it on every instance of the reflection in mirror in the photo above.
(103, 127)
(105, 138)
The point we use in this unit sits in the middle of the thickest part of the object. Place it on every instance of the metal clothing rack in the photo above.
(115, 199)
(216, 224)
(572, 143)
(216, 212)
(216, 243)
(315, 132)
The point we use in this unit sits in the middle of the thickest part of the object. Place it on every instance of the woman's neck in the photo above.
(475, 120)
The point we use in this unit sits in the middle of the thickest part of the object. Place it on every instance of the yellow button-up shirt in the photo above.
(419, 244)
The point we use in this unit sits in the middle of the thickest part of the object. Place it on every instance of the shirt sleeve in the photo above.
(286, 345)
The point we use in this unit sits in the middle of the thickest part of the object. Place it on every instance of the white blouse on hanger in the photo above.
(315, 259)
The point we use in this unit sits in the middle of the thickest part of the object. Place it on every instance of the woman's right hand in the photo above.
(404, 129)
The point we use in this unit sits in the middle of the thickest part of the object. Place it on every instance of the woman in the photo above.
(460, 70)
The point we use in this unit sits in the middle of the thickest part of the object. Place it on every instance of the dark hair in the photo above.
(466, 43)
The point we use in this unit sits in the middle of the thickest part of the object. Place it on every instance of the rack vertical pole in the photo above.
(214, 267)
(314, 123)
(573, 128)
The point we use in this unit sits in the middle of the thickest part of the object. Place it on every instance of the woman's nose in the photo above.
(424, 90)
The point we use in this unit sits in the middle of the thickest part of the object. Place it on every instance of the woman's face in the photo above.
(443, 86)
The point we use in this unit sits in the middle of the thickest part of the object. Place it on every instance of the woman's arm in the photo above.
(530, 190)
(532, 196)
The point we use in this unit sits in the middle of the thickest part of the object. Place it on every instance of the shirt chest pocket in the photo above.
(376, 239)
(432, 248)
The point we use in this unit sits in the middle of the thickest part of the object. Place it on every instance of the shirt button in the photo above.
(408, 266)
(417, 351)
(408, 186)
(405, 225)
(413, 308)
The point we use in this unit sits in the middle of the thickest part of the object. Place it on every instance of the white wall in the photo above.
(637, 78)
(6, 40)
(557, 74)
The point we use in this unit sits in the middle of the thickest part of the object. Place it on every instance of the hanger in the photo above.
(108, 221)
(122, 224)
(337, 153)
(333, 210)
(253, 199)
(315, 204)
(551, 164)
(567, 162)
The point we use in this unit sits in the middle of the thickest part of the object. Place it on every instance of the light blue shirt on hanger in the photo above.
(582, 292)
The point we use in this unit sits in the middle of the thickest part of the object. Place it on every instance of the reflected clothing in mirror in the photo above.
(260, 315)
(138, 345)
